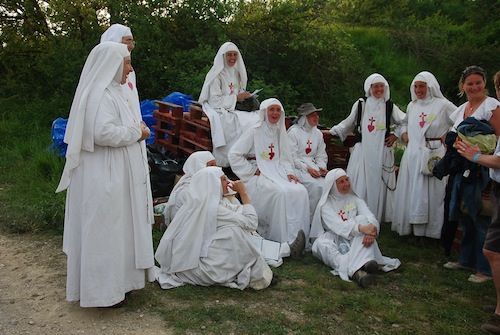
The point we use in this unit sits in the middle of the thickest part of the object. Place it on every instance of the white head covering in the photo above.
(329, 191)
(265, 131)
(195, 162)
(189, 235)
(103, 66)
(115, 33)
(219, 65)
(376, 78)
(433, 88)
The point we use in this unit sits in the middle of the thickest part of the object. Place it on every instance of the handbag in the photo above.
(430, 157)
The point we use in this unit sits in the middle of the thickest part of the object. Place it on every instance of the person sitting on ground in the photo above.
(261, 158)
(194, 163)
(207, 243)
(310, 157)
(346, 233)
(225, 87)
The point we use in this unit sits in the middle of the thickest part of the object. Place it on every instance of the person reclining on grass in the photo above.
(346, 232)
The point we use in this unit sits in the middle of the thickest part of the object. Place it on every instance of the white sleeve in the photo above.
(238, 153)
(362, 209)
(243, 216)
(334, 223)
(321, 158)
(294, 145)
(108, 128)
(398, 118)
(346, 127)
(217, 99)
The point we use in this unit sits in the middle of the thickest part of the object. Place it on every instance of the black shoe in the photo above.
(363, 279)
(492, 326)
(275, 280)
(298, 245)
(370, 266)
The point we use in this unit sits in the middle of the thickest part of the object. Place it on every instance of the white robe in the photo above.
(341, 245)
(107, 230)
(371, 165)
(419, 199)
(310, 152)
(282, 206)
(222, 100)
(231, 259)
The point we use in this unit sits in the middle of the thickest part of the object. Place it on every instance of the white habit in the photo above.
(371, 165)
(310, 152)
(108, 215)
(207, 243)
(339, 243)
(282, 205)
(218, 98)
(419, 198)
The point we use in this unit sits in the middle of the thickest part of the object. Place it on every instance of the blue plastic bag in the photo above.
(58, 131)
(180, 99)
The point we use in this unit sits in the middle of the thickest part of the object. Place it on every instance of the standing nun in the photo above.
(108, 217)
(371, 165)
(262, 160)
(346, 230)
(224, 86)
(419, 203)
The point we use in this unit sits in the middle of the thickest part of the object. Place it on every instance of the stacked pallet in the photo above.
(182, 133)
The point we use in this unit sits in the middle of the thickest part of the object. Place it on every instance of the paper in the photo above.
(254, 93)
(268, 249)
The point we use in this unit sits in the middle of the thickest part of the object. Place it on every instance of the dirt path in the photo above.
(32, 295)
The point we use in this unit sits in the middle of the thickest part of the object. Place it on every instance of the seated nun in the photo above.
(224, 87)
(310, 156)
(207, 242)
(346, 233)
(261, 158)
(195, 162)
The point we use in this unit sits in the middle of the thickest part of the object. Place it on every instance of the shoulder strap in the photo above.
(389, 106)
(357, 127)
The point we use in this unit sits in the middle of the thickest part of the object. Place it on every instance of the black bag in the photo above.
(163, 170)
(248, 105)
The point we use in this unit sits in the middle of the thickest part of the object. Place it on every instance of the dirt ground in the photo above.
(32, 295)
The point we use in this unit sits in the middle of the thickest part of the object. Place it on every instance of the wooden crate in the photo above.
(167, 107)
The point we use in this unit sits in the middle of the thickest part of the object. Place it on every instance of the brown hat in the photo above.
(307, 108)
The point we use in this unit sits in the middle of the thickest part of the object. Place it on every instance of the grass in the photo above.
(420, 298)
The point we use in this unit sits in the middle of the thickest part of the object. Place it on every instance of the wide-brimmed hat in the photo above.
(307, 108)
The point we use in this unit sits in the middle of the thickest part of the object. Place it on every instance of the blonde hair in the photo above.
(496, 80)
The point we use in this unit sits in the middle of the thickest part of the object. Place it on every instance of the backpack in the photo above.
(389, 106)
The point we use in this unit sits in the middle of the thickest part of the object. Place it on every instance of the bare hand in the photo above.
(369, 229)
(466, 150)
(314, 173)
(404, 138)
(239, 187)
(145, 132)
(389, 141)
(323, 172)
(291, 177)
(368, 240)
(257, 173)
(243, 96)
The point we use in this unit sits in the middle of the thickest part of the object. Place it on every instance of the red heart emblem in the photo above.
(271, 155)
(130, 85)
(422, 124)
(371, 127)
(308, 150)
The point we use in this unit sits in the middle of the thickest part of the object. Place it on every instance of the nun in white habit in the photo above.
(346, 230)
(195, 162)
(207, 244)
(371, 165)
(310, 156)
(262, 159)
(224, 85)
(108, 216)
(419, 198)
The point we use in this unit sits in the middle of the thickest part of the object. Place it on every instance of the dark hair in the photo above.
(496, 80)
(473, 69)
